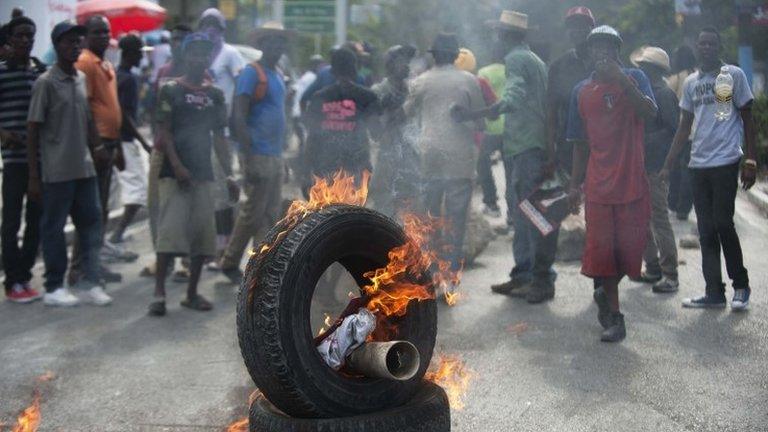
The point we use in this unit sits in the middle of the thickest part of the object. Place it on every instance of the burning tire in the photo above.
(274, 331)
(427, 411)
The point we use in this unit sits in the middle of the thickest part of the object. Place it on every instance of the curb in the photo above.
(759, 199)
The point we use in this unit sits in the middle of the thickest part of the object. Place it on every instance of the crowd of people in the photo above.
(583, 130)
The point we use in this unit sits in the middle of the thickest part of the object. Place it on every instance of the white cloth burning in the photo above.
(352, 332)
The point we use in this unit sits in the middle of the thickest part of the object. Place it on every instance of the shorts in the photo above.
(616, 238)
(186, 222)
(133, 179)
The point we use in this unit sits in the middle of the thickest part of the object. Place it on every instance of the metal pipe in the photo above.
(397, 360)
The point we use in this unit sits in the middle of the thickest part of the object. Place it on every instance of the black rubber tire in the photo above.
(273, 325)
(428, 411)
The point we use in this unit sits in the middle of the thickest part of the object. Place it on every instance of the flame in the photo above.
(327, 323)
(453, 376)
(394, 286)
(238, 426)
(341, 188)
(29, 419)
(241, 425)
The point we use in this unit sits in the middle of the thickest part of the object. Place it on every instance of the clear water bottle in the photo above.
(724, 94)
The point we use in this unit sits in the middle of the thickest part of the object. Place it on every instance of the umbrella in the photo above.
(124, 15)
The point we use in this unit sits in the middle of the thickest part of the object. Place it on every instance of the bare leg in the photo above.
(195, 269)
(129, 213)
(160, 272)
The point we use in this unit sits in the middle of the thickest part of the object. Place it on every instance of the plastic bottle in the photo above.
(724, 94)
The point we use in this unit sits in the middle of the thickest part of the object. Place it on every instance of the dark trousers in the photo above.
(491, 143)
(714, 197)
(534, 253)
(104, 182)
(18, 262)
(80, 199)
(680, 194)
(454, 196)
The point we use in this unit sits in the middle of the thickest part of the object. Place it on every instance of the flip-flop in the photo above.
(197, 303)
(157, 309)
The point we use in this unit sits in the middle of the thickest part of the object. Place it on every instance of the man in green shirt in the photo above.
(524, 151)
(494, 73)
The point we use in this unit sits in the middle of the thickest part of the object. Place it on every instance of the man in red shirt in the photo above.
(606, 125)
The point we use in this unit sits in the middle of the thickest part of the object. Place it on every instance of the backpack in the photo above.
(259, 92)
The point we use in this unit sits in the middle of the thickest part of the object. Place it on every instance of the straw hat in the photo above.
(510, 21)
(271, 28)
(652, 55)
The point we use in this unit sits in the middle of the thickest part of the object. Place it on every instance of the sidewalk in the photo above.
(758, 195)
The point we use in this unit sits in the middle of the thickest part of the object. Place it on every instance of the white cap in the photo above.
(605, 31)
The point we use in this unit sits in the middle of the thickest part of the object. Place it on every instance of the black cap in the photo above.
(445, 42)
(65, 27)
(406, 52)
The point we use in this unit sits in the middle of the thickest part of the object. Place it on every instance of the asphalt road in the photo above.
(536, 368)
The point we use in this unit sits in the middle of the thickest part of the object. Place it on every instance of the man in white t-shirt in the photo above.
(227, 61)
(716, 156)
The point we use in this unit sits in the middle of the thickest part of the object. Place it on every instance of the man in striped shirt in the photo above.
(17, 74)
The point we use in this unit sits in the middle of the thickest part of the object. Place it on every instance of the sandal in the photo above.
(198, 303)
(157, 309)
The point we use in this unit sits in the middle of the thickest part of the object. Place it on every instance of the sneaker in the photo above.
(60, 297)
(35, 294)
(616, 332)
(492, 211)
(213, 266)
(234, 275)
(18, 294)
(666, 285)
(603, 309)
(740, 300)
(705, 302)
(113, 253)
(97, 296)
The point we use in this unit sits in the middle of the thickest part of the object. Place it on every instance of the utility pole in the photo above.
(278, 10)
(341, 21)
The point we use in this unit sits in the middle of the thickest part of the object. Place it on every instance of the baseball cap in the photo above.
(196, 38)
(605, 32)
(580, 11)
(65, 27)
(216, 15)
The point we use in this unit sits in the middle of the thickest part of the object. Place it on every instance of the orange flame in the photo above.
(239, 426)
(453, 376)
(393, 287)
(342, 188)
(29, 419)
